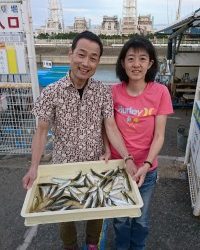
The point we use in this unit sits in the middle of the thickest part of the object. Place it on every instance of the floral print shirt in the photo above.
(76, 122)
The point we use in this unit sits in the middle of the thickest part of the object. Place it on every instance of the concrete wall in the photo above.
(58, 54)
(188, 59)
(65, 60)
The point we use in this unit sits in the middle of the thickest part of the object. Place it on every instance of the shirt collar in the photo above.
(68, 82)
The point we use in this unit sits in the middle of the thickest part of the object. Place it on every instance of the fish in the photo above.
(94, 201)
(80, 182)
(57, 180)
(74, 194)
(126, 182)
(44, 190)
(100, 195)
(91, 179)
(129, 198)
(77, 177)
(118, 202)
(88, 202)
(52, 190)
(90, 190)
(97, 174)
(35, 203)
(57, 193)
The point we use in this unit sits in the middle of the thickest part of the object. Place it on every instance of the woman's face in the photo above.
(136, 64)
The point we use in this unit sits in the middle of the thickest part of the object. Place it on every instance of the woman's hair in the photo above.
(137, 42)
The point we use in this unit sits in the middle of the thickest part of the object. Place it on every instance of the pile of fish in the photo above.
(90, 190)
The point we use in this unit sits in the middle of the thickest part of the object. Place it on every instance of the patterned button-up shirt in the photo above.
(76, 122)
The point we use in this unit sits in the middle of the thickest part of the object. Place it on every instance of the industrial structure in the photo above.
(80, 24)
(145, 24)
(129, 24)
(110, 25)
(129, 17)
(55, 22)
(178, 10)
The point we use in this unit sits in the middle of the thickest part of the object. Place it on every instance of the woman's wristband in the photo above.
(150, 164)
(128, 157)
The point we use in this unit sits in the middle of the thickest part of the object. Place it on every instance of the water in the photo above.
(47, 76)
(104, 73)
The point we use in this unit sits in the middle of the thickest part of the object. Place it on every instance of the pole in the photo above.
(28, 26)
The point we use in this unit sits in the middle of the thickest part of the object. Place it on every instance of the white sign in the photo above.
(10, 17)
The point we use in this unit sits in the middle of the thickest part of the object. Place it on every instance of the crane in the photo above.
(178, 10)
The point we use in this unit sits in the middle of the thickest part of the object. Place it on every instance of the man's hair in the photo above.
(137, 42)
(89, 36)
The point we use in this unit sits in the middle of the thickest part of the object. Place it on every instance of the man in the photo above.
(76, 106)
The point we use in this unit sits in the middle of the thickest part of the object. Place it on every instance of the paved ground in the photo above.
(173, 226)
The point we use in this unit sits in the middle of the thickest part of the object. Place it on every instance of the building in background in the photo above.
(129, 17)
(145, 24)
(55, 22)
(110, 26)
(80, 24)
(130, 23)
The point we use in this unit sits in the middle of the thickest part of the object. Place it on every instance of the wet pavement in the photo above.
(173, 225)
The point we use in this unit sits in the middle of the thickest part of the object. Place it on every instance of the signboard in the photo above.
(10, 17)
(12, 58)
(12, 49)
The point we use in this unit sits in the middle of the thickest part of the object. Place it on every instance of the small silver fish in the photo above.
(88, 202)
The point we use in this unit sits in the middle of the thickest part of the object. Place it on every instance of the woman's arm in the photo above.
(117, 142)
(156, 145)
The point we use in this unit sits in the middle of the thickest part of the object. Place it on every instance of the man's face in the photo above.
(84, 60)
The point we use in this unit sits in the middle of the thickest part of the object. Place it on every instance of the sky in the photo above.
(163, 11)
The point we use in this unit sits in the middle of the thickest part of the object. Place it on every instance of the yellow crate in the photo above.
(70, 170)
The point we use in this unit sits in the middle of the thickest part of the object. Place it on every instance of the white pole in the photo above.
(28, 26)
(191, 130)
(196, 210)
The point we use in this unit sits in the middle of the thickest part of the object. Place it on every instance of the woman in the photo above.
(141, 107)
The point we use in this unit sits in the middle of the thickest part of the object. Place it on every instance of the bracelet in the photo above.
(150, 164)
(128, 157)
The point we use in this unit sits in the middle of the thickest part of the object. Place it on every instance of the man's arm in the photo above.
(117, 142)
(38, 144)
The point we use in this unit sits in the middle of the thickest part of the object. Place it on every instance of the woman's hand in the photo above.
(140, 175)
(130, 167)
(106, 156)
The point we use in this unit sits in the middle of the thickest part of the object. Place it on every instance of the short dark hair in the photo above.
(89, 36)
(137, 42)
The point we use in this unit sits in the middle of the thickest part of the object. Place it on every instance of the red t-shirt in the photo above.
(135, 117)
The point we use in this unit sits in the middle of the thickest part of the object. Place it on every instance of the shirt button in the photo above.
(82, 108)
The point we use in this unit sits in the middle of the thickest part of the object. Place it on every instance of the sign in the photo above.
(12, 58)
(10, 17)
(12, 49)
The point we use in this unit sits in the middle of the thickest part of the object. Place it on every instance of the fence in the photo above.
(17, 123)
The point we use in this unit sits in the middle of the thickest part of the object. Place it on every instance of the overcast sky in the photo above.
(163, 11)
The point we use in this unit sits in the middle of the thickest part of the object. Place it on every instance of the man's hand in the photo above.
(106, 156)
(141, 174)
(29, 178)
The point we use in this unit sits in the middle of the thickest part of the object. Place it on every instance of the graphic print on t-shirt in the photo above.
(134, 115)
